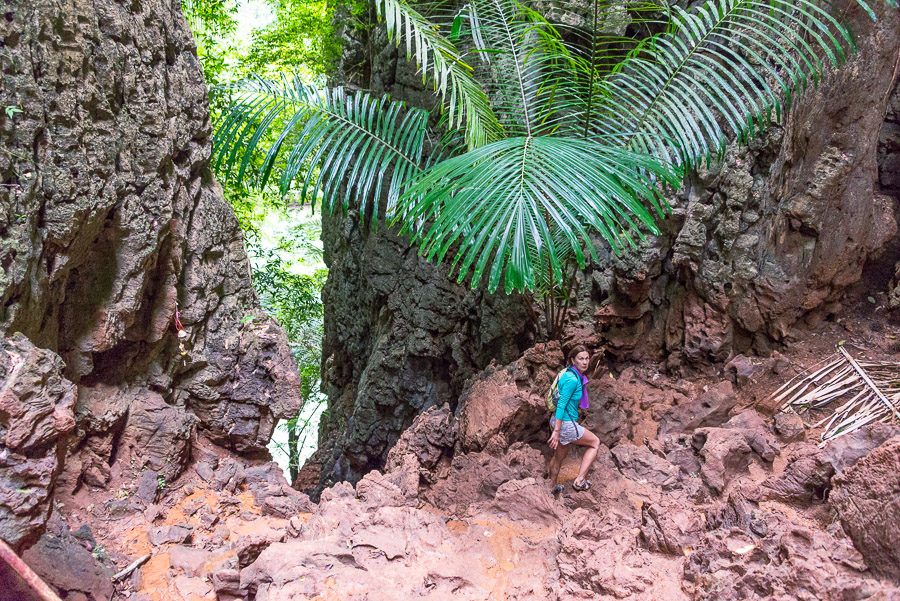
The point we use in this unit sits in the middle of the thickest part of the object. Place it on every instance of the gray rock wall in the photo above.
(766, 243)
(756, 249)
(109, 221)
(400, 337)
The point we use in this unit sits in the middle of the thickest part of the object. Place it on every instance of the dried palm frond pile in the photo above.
(865, 391)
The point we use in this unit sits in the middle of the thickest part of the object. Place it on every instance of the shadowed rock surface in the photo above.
(110, 222)
(867, 499)
(36, 413)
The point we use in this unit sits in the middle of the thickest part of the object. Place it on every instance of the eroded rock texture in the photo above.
(36, 413)
(110, 221)
(771, 236)
(400, 337)
(867, 499)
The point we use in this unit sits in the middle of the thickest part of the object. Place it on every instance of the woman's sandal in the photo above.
(586, 485)
(558, 490)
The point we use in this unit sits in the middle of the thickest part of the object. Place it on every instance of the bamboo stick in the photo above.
(869, 382)
(27, 574)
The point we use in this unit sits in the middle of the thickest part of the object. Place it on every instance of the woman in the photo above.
(566, 429)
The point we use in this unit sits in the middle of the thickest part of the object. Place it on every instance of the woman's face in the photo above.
(582, 360)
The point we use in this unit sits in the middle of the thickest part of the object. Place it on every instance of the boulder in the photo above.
(177, 534)
(69, 564)
(527, 501)
(475, 477)
(806, 478)
(709, 409)
(36, 413)
(789, 427)
(723, 454)
(670, 528)
(249, 546)
(189, 560)
(638, 463)
(866, 496)
(844, 451)
(397, 488)
(740, 370)
(430, 439)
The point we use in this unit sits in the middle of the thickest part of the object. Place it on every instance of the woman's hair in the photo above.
(574, 353)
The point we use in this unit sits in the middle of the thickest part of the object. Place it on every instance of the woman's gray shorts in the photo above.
(569, 432)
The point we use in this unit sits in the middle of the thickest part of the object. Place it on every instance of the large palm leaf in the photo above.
(522, 206)
(452, 78)
(718, 73)
(334, 139)
(522, 61)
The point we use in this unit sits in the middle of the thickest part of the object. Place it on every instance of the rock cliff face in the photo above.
(767, 242)
(110, 222)
(756, 249)
(401, 337)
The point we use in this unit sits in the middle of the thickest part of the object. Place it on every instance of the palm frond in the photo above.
(523, 205)
(523, 60)
(598, 44)
(335, 140)
(731, 63)
(452, 78)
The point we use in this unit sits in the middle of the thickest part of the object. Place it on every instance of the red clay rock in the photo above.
(670, 527)
(397, 488)
(638, 463)
(188, 559)
(846, 450)
(66, 562)
(806, 478)
(782, 559)
(867, 499)
(475, 477)
(723, 453)
(789, 427)
(177, 533)
(525, 501)
(709, 409)
(250, 545)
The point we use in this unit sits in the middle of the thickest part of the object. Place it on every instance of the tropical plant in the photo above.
(567, 131)
(212, 24)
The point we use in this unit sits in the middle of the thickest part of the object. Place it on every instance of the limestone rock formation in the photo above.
(110, 225)
(400, 337)
(757, 248)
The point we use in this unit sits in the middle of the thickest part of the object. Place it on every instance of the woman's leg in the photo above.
(556, 462)
(589, 440)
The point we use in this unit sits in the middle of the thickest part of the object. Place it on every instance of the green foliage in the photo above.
(340, 134)
(737, 61)
(213, 25)
(300, 39)
(453, 82)
(566, 132)
(522, 204)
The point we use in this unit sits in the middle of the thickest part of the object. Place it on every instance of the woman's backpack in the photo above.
(553, 395)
